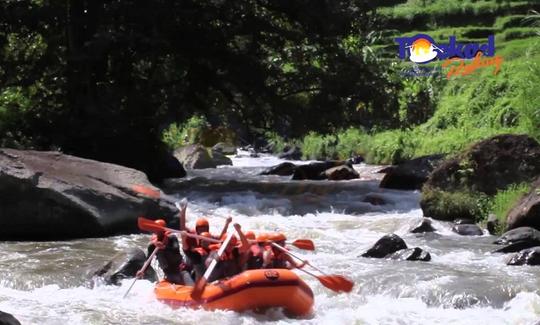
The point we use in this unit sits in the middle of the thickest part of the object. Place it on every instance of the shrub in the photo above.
(504, 200)
(189, 132)
(449, 205)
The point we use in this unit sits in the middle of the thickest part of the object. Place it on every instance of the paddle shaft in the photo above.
(201, 284)
(143, 268)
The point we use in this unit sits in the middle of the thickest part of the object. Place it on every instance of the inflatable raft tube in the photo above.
(249, 290)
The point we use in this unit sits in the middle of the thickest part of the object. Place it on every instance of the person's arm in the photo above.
(293, 263)
(225, 227)
(182, 206)
(245, 243)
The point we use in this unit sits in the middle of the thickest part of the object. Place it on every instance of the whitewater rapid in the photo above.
(47, 282)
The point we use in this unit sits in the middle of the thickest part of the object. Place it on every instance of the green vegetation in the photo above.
(503, 201)
(190, 132)
(447, 205)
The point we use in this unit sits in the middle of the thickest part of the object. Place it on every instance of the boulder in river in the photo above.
(196, 156)
(529, 256)
(456, 186)
(125, 265)
(466, 229)
(424, 225)
(315, 171)
(410, 175)
(411, 254)
(224, 148)
(518, 239)
(374, 199)
(526, 212)
(51, 196)
(283, 169)
(293, 153)
(464, 221)
(8, 319)
(492, 224)
(343, 172)
(385, 246)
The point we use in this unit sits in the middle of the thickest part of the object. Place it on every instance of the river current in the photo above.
(48, 282)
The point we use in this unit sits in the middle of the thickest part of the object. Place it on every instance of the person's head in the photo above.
(278, 238)
(262, 239)
(204, 243)
(250, 235)
(202, 225)
(161, 223)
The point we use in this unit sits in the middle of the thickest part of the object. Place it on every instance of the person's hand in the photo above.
(158, 243)
(237, 226)
(304, 263)
(139, 274)
(228, 220)
(182, 205)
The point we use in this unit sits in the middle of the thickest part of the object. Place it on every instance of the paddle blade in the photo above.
(306, 244)
(147, 191)
(198, 290)
(337, 283)
(148, 225)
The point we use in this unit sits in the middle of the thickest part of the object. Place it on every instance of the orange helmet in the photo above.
(250, 235)
(202, 222)
(160, 222)
(277, 236)
(262, 238)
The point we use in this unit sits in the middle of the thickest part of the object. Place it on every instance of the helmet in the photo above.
(202, 222)
(250, 235)
(160, 222)
(262, 237)
(277, 236)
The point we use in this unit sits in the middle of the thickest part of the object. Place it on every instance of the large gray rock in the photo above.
(283, 169)
(518, 239)
(422, 226)
(467, 230)
(385, 246)
(412, 174)
(411, 254)
(226, 149)
(125, 265)
(529, 256)
(195, 156)
(293, 153)
(315, 171)
(8, 319)
(526, 212)
(49, 196)
(339, 173)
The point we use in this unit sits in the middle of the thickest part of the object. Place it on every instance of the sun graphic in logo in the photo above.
(422, 50)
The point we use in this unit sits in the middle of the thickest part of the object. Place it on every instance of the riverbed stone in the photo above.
(125, 265)
(518, 239)
(467, 230)
(526, 212)
(422, 226)
(343, 172)
(374, 199)
(385, 246)
(492, 224)
(8, 319)
(195, 156)
(456, 185)
(224, 148)
(315, 171)
(464, 221)
(410, 175)
(529, 256)
(411, 254)
(50, 196)
(283, 169)
(292, 153)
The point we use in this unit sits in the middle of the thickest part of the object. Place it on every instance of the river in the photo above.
(47, 282)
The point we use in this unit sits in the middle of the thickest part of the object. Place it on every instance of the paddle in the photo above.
(334, 282)
(150, 225)
(198, 290)
(143, 268)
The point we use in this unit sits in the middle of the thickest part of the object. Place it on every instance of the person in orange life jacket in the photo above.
(255, 253)
(198, 256)
(274, 258)
(169, 258)
(233, 259)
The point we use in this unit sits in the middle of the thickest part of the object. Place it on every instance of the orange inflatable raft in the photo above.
(249, 290)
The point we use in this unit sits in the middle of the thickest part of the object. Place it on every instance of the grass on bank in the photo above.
(503, 201)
